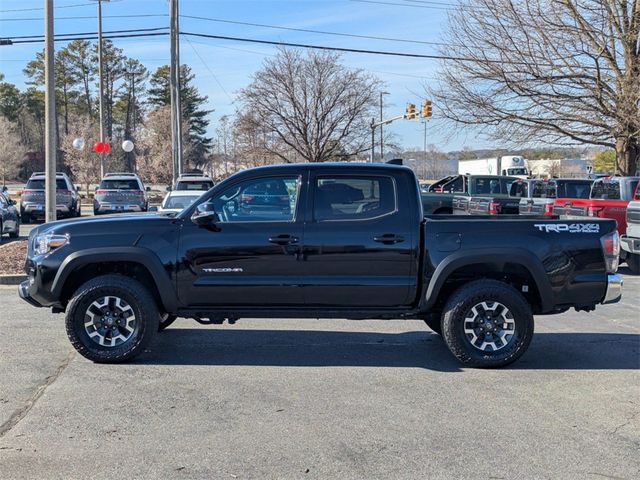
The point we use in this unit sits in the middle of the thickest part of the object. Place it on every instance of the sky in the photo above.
(223, 67)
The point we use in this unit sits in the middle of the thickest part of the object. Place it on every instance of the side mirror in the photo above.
(152, 209)
(204, 214)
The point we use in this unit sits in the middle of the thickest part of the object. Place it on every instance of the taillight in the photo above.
(594, 211)
(27, 191)
(548, 210)
(494, 208)
(611, 249)
(101, 192)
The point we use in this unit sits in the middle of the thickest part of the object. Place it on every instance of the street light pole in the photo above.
(101, 86)
(49, 115)
(174, 82)
(381, 132)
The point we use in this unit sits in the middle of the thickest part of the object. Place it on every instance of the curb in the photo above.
(12, 279)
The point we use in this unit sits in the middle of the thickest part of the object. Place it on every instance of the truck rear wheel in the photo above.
(633, 262)
(487, 323)
(111, 319)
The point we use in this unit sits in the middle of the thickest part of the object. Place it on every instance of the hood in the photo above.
(106, 224)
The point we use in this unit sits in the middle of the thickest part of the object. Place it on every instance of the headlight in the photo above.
(47, 242)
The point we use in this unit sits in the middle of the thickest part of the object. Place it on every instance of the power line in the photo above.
(322, 32)
(87, 17)
(34, 9)
(215, 77)
(133, 30)
(95, 37)
(432, 7)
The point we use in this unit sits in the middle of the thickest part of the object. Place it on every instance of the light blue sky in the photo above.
(227, 66)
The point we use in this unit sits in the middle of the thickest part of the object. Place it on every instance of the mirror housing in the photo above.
(204, 215)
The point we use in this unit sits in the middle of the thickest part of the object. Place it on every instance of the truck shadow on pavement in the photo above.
(417, 349)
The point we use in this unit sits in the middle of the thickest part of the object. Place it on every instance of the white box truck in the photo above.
(508, 165)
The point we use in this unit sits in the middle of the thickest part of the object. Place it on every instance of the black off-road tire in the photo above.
(633, 262)
(460, 305)
(131, 291)
(15, 234)
(165, 321)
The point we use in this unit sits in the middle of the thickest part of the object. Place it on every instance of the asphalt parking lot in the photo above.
(321, 399)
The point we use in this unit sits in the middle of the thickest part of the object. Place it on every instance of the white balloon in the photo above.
(127, 146)
(78, 143)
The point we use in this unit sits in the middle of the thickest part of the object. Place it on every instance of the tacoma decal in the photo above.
(568, 227)
(222, 270)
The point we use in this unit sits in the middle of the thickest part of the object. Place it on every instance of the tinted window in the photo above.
(190, 185)
(491, 185)
(573, 189)
(541, 189)
(456, 185)
(519, 189)
(606, 190)
(119, 185)
(353, 198)
(272, 199)
(38, 184)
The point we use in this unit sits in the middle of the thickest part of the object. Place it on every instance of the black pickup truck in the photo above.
(346, 241)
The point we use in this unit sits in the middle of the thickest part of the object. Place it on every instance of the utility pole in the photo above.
(381, 132)
(101, 86)
(373, 138)
(174, 81)
(49, 115)
(425, 149)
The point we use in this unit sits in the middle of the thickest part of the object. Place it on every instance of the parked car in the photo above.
(178, 200)
(545, 196)
(609, 198)
(194, 181)
(9, 217)
(268, 197)
(332, 254)
(32, 198)
(630, 241)
(453, 192)
(120, 192)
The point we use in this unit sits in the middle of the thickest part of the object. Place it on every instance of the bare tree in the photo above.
(84, 163)
(11, 149)
(551, 71)
(312, 103)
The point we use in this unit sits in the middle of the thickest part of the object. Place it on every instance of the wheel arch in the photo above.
(134, 262)
(513, 266)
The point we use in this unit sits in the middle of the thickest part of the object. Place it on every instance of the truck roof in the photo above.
(332, 166)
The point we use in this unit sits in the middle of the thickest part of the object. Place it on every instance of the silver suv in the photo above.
(32, 199)
(120, 192)
(194, 181)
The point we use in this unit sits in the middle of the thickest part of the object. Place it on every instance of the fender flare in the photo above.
(498, 256)
(139, 255)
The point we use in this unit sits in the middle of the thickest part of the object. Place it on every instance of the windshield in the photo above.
(119, 185)
(517, 171)
(38, 184)
(180, 201)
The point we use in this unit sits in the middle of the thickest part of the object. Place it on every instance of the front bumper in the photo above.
(630, 244)
(614, 289)
(23, 290)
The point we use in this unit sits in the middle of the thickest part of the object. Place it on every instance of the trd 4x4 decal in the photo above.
(568, 227)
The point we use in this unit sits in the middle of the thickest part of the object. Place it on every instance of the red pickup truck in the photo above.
(552, 197)
(609, 199)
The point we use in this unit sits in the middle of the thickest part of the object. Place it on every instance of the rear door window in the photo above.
(353, 197)
(606, 190)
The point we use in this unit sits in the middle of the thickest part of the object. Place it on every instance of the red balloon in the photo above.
(97, 147)
(106, 148)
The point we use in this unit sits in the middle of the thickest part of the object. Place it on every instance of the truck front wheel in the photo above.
(111, 319)
(487, 323)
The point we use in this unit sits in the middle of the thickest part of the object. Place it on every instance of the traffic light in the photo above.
(411, 111)
(426, 109)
